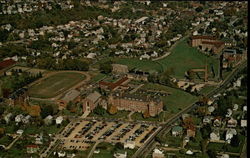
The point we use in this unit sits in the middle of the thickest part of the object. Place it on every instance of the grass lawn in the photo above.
(173, 141)
(51, 129)
(238, 148)
(119, 114)
(107, 150)
(55, 84)
(144, 65)
(98, 77)
(184, 57)
(5, 140)
(176, 101)
(215, 146)
(206, 89)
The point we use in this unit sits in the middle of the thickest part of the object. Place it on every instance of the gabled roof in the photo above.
(203, 37)
(94, 96)
(71, 95)
(6, 63)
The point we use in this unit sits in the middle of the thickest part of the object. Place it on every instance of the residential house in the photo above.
(215, 135)
(217, 122)
(189, 152)
(48, 120)
(59, 120)
(120, 155)
(20, 132)
(207, 119)
(177, 130)
(19, 118)
(8, 117)
(191, 131)
(158, 154)
(26, 119)
(232, 123)
(91, 101)
(229, 134)
(129, 144)
(243, 123)
(32, 149)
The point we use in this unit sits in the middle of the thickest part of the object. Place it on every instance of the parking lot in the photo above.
(82, 134)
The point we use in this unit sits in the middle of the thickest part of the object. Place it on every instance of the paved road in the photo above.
(93, 149)
(150, 142)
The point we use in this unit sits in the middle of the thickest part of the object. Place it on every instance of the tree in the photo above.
(205, 131)
(113, 109)
(106, 67)
(47, 110)
(99, 111)
(70, 106)
(235, 141)
(199, 9)
(211, 153)
(119, 146)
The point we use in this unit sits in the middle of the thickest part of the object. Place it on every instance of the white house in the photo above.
(8, 117)
(19, 118)
(48, 120)
(243, 123)
(215, 135)
(129, 144)
(59, 120)
(158, 154)
(229, 134)
(91, 55)
(20, 132)
(119, 155)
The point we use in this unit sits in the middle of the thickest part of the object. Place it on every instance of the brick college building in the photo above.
(207, 42)
(136, 102)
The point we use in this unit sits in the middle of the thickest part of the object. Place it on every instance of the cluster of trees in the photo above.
(106, 67)
(19, 79)
(66, 64)
(10, 50)
(163, 78)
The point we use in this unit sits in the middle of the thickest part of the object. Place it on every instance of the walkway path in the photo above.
(12, 143)
(93, 149)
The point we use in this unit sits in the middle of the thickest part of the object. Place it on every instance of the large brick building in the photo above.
(91, 101)
(207, 42)
(6, 64)
(113, 86)
(136, 102)
(119, 69)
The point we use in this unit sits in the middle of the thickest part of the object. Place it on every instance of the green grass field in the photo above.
(184, 57)
(55, 84)
(144, 65)
(176, 101)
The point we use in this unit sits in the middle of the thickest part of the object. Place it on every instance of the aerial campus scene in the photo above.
(123, 79)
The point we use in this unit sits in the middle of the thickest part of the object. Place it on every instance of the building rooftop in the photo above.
(94, 96)
(71, 95)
